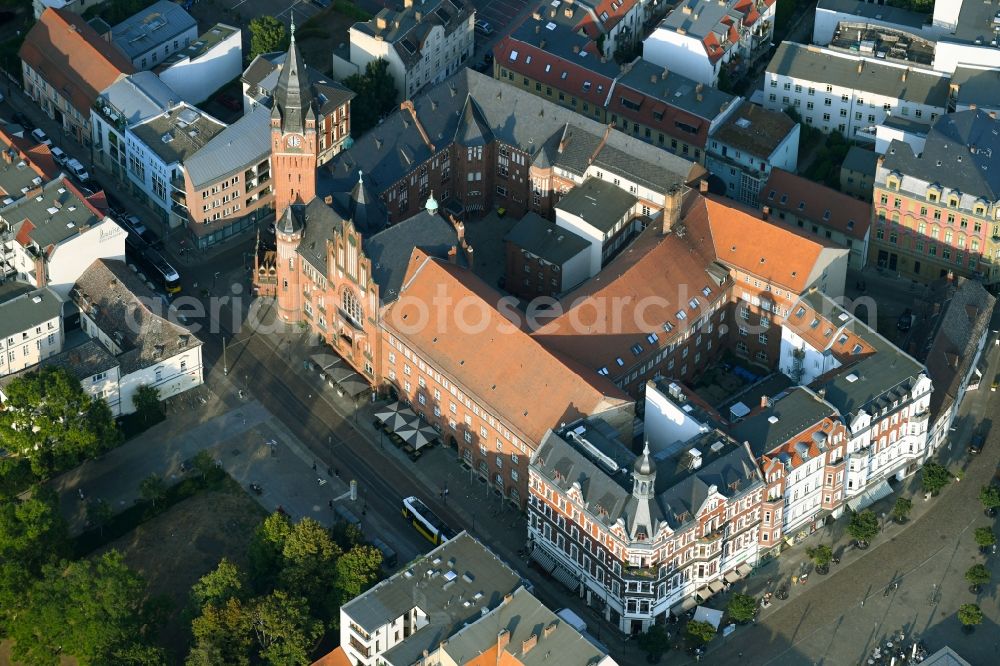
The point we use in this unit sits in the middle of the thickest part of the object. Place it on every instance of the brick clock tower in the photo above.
(293, 165)
(293, 135)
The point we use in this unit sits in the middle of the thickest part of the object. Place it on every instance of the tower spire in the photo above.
(292, 13)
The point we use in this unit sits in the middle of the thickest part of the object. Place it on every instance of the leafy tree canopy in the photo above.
(218, 586)
(267, 34)
(376, 96)
(990, 496)
(742, 607)
(985, 537)
(52, 422)
(863, 525)
(702, 632)
(970, 615)
(935, 477)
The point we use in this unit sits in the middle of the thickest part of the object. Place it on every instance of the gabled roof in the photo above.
(810, 200)
(57, 213)
(516, 117)
(131, 314)
(139, 96)
(495, 359)
(958, 153)
(72, 58)
(407, 28)
(472, 130)
(786, 417)
(544, 239)
(261, 77)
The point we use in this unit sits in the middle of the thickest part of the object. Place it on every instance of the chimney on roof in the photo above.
(951, 276)
(503, 639)
(576, 48)
(380, 23)
(328, 200)
(652, 78)
(541, 44)
(672, 208)
(538, 29)
(528, 643)
(459, 228)
(537, 15)
(452, 255)
(41, 278)
(407, 4)
(763, 402)
(418, 16)
(703, 185)
(552, 13)
(664, 74)
(765, 212)
(469, 255)
(547, 631)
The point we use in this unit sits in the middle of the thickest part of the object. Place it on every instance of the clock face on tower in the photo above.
(294, 141)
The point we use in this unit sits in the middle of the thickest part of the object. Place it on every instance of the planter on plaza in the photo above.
(823, 570)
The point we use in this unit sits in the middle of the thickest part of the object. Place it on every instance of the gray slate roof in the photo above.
(139, 96)
(22, 307)
(811, 63)
(57, 214)
(263, 73)
(518, 118)
(860, 160)
(676, 90)
(795, 410)
(390, 250)
(979, 87)
(544, 239)
(879, 378)
(246, 142)
(704, 18)
(948, 158)
(145, 30)
(125, 309)
(444, 584)
(407, 34)
(523, 616)
(599, 203)
(83, 361)
(958, 317)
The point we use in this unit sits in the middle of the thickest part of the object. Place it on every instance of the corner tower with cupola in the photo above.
(293, 134)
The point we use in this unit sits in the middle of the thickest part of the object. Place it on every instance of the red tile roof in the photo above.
(812, 201)
(530, 387)
(615, 15)
(72, 57)
(672, 121)
(336, 658)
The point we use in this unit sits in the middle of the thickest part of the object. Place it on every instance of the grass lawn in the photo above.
(177, 547)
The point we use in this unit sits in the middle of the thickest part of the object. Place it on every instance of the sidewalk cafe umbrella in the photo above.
(394, 416)
(418, 436)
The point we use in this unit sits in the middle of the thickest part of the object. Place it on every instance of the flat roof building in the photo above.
(150, 35)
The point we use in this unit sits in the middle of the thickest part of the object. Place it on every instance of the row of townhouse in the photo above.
(718, 488)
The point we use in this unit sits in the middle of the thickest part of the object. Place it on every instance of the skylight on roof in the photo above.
(707, 291)
(527, 60)
(564, 74)
(667, 326)
(513, 55)
(856, 350)
(619, 361)
(603, 371)
(681, 314)
(652, 338)
(693, 303)
(814, 324)
(550, 25)
(548, 68)
(637, 349)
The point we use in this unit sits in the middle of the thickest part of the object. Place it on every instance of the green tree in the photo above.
(266, 550)
(990, 497)
(221, 635)
(32, 531)
(146, 401)
(218, 586)
(985, 537)
(376, 96)
(310, 566)
(935, 477)
(742, 607)
(267, 34)
(52, 422)
(977, 575)
(283, 629)
(970, 615)
(99, 513)
(863, 526)
(901, 509)
(153, 488)
(357, 569)
(700, 632)
(654, 641)
(821, 556)
(205, 465)
(90, 609)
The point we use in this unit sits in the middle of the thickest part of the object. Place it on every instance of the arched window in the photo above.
(352, 308)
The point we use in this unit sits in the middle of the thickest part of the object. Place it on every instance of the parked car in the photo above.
(484, 28)
(905, 320)
(976, 445)
(40, 136)
(135, 225)
(58, 155)
(77, 170)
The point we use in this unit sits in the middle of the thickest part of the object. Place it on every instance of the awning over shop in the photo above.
(870, 496)
(715, 586)
(731, 576)
(345, 377)
(744, 570)
(702, 593)
(684, 606)
(542, 558)
(566, 577)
